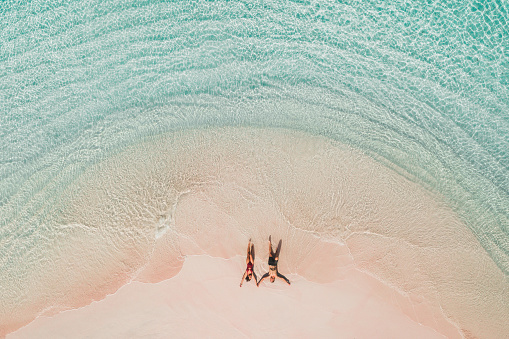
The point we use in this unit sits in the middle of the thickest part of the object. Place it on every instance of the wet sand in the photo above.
(353, 231)
(204, 299)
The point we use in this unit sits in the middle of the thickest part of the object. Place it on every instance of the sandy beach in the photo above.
(144, 143)
(204, 299)
(152, 244)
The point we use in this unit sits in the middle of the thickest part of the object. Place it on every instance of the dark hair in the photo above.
(248, 278)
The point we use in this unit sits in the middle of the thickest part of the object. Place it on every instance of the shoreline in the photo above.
(192, 303)
(138, 214)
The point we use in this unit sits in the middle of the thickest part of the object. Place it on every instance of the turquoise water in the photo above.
(421, 86)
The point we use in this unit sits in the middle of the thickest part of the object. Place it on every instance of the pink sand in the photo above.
(370, 253)
(205, 299)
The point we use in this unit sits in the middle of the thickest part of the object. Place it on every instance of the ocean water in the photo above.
(421, 87)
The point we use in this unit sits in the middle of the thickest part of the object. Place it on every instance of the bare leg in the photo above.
(249, 258)
(278, 248)
(270, 248)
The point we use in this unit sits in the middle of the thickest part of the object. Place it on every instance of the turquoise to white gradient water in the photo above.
(421, 86)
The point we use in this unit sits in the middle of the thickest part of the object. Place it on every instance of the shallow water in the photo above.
(420, 87)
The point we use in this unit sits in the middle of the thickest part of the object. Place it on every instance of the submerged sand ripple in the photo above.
(136, 215)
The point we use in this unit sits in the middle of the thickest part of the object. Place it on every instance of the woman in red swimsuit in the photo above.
(249, 273)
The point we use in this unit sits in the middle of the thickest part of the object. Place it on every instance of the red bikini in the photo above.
(249, 267)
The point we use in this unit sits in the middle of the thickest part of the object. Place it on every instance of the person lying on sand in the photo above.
(273, 273)
(249, 273)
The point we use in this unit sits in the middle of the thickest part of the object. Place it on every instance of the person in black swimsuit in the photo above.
(273, 273)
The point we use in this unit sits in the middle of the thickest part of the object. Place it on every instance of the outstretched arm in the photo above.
(282, 277)
(256, 279)
(243, 277)
(261, 279)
